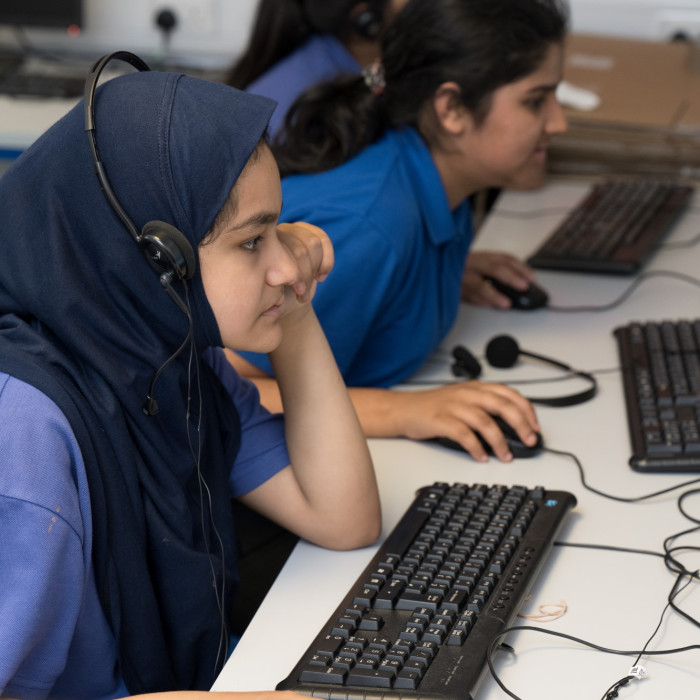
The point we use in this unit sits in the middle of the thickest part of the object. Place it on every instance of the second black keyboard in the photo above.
(661, 380)
(616, 228)
(450, 576)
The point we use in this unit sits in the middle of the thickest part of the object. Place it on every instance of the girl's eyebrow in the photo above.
(547, 87)
(256, 221)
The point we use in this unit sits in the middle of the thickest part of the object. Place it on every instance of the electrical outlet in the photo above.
(194, 17)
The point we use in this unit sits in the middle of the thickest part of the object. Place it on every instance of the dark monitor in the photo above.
(55, 14)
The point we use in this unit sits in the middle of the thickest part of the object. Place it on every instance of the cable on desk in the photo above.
(680, 276)
(670, 555)
(636, 672)
(495, 644)
(621, 499)
(511, 382)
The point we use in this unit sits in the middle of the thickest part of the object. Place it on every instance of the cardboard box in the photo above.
(648, 121)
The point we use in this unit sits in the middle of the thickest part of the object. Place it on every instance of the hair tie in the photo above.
(374, 77)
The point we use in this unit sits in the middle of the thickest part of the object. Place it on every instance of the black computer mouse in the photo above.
(534, 297)
(518, 448)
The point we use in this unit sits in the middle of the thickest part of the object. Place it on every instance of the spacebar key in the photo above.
(370, 678)
(321, 674)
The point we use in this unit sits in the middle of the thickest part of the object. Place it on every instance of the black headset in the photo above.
(369, 22)
(165, 247)
(330, 18)
(503, 352)
(167, 250)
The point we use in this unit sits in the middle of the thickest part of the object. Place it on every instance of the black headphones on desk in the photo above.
(503, 352)
(165, 247)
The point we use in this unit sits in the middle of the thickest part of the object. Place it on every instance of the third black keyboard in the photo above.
(661, 380)
(450, 576)
(19, 84)
(616, 228)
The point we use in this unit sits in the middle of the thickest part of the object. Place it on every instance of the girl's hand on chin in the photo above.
(312, 250)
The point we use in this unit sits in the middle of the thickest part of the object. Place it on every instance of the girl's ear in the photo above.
(451, 114)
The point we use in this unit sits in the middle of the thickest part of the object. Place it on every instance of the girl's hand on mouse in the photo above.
(476, 289)
(312, 250)
(457, 411)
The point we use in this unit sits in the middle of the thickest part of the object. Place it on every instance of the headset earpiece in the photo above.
(324, 17)
(465, 364)
(502, 351)
(167, 250)
(368, 24)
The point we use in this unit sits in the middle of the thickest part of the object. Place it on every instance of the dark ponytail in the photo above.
(480, 45)
(358, 118)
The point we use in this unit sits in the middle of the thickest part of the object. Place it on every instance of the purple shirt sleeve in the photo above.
(52, 625)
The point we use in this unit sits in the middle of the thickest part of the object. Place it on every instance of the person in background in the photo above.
(463, 99)
(296, 44)
(124, 432)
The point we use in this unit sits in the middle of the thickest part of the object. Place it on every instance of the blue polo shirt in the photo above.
(54, 637)
(321, 58)
(400, 251)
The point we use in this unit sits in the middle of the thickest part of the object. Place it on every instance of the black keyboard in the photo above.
(21, 84)
(449, 577)
(661, 380)
(615, 229)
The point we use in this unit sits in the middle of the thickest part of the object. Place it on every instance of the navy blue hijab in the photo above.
(84, 319)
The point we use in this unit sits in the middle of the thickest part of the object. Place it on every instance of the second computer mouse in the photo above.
(517, 447)
(534, 297)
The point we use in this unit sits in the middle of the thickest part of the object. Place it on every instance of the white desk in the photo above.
(614, 599)
(23, 120)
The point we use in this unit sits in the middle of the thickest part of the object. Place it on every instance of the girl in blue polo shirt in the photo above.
(124, 432)
(463, 99)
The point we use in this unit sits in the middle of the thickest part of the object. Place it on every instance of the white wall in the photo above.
(212, 32)
(642, 19)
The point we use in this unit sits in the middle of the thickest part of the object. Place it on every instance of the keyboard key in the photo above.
(366, 678)
(314, 674)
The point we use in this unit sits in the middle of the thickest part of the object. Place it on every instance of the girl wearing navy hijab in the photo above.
(118, 559)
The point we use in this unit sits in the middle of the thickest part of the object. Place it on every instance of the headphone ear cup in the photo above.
(502, 351)
(368, 24)
(465, 365)
(167, 250)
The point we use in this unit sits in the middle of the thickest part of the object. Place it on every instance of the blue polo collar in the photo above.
(442, 224)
